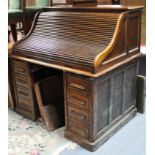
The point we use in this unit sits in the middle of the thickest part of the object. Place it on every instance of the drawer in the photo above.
(20, 67)
(25, 102)
(77, 83)
(25, 112)
(78, 128)
(24, 93)
(78, 99)
(79, 115)
(22, 81)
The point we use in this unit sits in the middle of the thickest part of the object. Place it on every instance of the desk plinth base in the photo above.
(93, 146)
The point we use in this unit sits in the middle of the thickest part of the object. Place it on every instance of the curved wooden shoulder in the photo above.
(103, 55)
(125, 40)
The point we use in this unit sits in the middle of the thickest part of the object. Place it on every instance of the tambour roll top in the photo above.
(85, 39)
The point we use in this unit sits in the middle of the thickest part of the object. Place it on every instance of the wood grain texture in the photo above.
(100, 98)
(80, 72)
(53, 40)
(111, 100)
(79, 38)
(23, 87)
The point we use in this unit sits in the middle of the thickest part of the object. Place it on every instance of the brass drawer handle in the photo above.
(77, 100)
(77, 86)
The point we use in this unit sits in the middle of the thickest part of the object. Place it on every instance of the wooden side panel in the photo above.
(116, 95)
(128, 42)
(120, 46)
(103, 104)
(133, 26)
(116, 106)
(129, 88)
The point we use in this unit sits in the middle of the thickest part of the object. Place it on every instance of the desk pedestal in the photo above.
(98, 107)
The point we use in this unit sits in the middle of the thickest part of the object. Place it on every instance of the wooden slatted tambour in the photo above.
(81, 38)
(53, 40)
(98, 49)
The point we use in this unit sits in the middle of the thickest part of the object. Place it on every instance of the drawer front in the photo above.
(27, 103)
(78, 129)
(22, 81)
(26, 112)
(25, 93)
(20, 67)
(78, 99)
(79, 115)
(77, 83)
(22, 109)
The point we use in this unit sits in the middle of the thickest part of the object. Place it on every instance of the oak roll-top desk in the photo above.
(97, 48)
